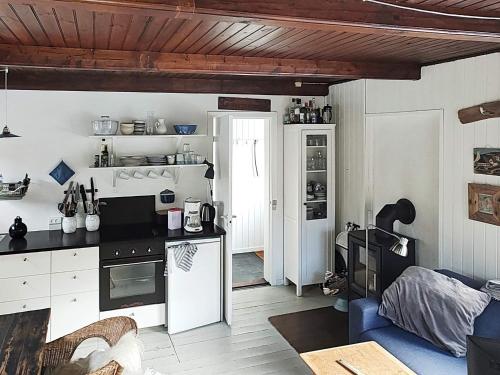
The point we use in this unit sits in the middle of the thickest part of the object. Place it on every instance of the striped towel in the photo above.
(492, 288)
(183, 255)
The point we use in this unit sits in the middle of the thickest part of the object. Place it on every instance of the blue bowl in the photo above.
(185, 129)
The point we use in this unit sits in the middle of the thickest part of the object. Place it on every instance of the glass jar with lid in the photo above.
(105, 126)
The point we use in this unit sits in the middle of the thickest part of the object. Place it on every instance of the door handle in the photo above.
(228, 219)
(274, 204)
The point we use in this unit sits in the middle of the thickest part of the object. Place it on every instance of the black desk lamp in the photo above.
(404, 211)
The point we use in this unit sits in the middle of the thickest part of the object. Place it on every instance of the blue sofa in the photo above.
(418, 354)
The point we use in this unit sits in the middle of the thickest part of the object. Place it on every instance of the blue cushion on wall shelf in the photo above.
(62, 173)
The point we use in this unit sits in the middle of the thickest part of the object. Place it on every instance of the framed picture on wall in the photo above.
(484, 203)
(487, 161)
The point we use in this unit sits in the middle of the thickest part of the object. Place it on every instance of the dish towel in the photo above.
(183, 255)
(492, 288)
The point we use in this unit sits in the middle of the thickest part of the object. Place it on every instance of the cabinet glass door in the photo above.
(317, 176)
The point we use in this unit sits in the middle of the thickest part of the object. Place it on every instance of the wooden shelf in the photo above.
(317, 171)
(316, 146)
(317, 201)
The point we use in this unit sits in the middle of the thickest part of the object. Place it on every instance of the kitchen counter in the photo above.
(57, 240)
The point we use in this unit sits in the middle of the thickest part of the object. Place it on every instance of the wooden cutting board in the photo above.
(367, 357)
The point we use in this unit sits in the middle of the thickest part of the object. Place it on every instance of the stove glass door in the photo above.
(132, 282)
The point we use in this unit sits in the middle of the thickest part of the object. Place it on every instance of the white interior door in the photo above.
(223, 143)
(404, 161)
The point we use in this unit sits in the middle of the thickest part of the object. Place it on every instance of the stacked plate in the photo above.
(133, 161)
(157, 160)
(139, 127)
(320, 195)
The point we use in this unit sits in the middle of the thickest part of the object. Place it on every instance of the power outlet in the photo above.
(55, 223)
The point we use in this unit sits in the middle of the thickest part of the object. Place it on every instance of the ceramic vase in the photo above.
(18, 229)
(69, 224)
(92, 222)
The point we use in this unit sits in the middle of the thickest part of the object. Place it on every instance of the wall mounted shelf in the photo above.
(121, 136)
(144, 170)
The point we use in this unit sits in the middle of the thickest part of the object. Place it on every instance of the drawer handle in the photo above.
(24, 306)
(75, 254)
(25, 283)
(74, 300)
(74, 277)
(25, 259)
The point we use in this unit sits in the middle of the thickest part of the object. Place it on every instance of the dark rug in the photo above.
(313, 329)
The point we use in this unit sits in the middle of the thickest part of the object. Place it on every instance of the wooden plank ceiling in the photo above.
(208, 40)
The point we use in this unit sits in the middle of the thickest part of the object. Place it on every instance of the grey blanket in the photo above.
(435, 307)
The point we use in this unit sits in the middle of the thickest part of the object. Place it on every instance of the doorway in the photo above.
(249, 208)
(268, 162)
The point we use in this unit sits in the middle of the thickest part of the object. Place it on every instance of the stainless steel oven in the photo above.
(131, 274)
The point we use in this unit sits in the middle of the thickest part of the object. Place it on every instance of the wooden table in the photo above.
(367, 357)
(22, 338)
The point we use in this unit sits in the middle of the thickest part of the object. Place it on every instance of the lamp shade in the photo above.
(401, 247)
(210, 173)
(7, 134)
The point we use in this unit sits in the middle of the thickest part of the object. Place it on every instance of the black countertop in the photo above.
(57, 240)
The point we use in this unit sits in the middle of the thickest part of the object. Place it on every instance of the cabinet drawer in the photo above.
(144, 316)
(24, 305)
(24, 264)
(75, 259)
(74, 282)
(73, 311)
(27, 287)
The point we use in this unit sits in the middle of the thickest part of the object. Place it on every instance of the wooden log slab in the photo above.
(479, 112)
(244, 104)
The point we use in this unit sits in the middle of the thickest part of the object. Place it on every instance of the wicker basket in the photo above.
(15, 190)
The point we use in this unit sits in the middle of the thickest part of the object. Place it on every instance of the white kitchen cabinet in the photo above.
(74, 290)
(16, 265)
(74, 282)
(194, 298)
(24, 287)
(75, 259)
(309, 203)
(24, 305)
(70, 312)
(144, 316)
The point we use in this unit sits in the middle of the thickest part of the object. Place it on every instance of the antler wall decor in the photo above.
(479, 112)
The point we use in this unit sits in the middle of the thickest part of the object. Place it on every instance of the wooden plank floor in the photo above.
(250, 346)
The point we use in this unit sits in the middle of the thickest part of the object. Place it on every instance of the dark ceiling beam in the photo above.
(333, 15)
(111, 60)
(84, 80)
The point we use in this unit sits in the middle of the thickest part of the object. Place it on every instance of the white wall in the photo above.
(469, 247)
(55, 125)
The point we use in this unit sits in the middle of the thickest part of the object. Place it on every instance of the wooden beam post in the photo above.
(110, 60)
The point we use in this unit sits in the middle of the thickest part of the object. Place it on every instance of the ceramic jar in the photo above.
(18, 229)
(92, 222)
(69, 224)
(160, 127)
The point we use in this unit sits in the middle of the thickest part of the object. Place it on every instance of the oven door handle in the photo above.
(132, 264)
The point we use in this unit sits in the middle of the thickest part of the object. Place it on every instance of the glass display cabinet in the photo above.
(309, 196)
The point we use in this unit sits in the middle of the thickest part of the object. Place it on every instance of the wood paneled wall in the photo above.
(348, 101)
(469, 247)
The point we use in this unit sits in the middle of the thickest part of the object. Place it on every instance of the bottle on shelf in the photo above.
(302, 114)
(104, 154)
(298, 104)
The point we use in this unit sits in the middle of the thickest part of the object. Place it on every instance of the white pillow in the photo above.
(127, 352)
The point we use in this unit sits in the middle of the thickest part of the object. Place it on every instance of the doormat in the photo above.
(311, 330)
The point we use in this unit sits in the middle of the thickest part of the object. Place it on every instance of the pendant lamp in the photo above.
(6, 132)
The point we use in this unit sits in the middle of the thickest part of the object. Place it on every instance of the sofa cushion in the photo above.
(434, 306)
(488, 323)
(418, 354)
